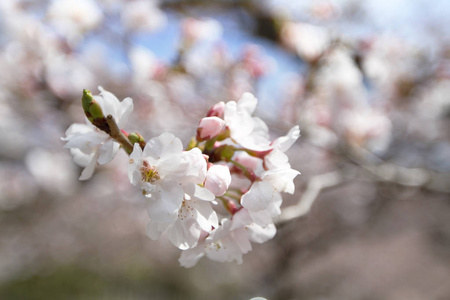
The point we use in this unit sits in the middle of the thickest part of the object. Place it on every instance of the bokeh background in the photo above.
(367, 81)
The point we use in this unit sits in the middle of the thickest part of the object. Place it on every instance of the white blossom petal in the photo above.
(154, 229)
(185, 233)
(282, 179)
(163, 145)
(164, 202)
(107, 151)
(86, 142)
(190, 257)
(76, 128)
(203, 193)
(276, 159)
(285, 142)
(80, 158)
(261, 234)
(205, 215)
(135, 162)
(247, 102)
(260, 195)
(108, 102)
(89, 170)
(194, 165)
(125, 110)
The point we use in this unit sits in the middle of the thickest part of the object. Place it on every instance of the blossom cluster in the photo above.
(213, 198)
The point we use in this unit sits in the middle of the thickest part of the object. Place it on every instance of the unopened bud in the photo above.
(86, 99)
(217, 110)
(136, 138)
(218, 179)
(91, 107)
(223, 153)
(209, 128)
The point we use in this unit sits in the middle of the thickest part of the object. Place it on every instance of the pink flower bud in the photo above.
(217, 110)
(218, 179)
(209, 128)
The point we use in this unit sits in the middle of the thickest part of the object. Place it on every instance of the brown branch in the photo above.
(315, 185)
(383, 172)
(413, 177)
(118, 135)
(389, 172)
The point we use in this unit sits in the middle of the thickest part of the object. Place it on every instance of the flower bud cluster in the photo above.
(212, 199)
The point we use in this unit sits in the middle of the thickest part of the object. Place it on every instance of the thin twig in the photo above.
(385, 172)
(389, 172)
(315, 185)
(413, 177)
(117, 134)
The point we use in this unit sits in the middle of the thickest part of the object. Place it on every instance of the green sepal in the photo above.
(96, 110)
(86, 99)
(136, 138)
(192, 144)
(223, 153)
(91, 108)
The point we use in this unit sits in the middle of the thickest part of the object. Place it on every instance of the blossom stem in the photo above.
(245, 171)
(241, 166)
(118, 135)
(192, 144)
(209, 145)
(235, 197)
(229, 205)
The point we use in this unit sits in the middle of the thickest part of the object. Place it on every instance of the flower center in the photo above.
(149, 173)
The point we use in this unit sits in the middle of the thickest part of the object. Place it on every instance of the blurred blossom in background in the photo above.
(368, 82)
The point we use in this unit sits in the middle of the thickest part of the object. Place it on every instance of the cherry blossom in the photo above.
(246, 130)
(230, 161)
(230, 241)
(263, 202)
(90, 145)
(165, 173)
(194, 217)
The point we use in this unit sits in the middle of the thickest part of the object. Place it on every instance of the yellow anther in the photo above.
(149, 173)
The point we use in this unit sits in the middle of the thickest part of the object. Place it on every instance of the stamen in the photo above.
(149, 173)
